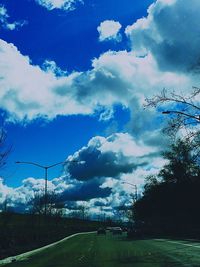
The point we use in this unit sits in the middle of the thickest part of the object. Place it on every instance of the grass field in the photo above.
(91, 250)
(24, 232)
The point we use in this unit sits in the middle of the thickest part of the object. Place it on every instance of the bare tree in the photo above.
(184, 114)
(83, 211)
(54, 207)
(4, 205)
(4, 152)
(4, 149)
(36, 204)
(183, 110)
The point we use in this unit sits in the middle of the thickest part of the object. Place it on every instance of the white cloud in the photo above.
(67, 5)
(110, 157)
(109, 30)
(29, 91)
(170, 33)
(161, 54)
(4, 191)
(100, 168)
(4, 20)
(21, 196)
(102, 189)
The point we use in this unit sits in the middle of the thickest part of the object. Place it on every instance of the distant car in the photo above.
(117, 230)
(101, 231)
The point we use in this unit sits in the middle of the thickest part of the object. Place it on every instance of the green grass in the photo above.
(23, 232)
(91, 250)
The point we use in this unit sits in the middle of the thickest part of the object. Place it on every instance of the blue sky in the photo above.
(51, 142)
(74, 78)
(62, 31)
(72, 37)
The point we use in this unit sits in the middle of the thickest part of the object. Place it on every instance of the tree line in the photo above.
(170, 202)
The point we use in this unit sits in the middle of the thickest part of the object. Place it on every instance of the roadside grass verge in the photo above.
(24, 232)
(92, 250)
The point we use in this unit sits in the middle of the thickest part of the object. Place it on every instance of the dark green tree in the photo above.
(170, 202)
(182, 163)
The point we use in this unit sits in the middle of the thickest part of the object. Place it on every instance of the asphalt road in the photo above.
(92, 250)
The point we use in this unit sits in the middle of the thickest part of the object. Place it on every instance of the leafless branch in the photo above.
(4, 149)
(172, 97)
(184, 115)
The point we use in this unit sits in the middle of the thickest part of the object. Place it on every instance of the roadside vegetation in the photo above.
(170, 201)
(114, 251)
(23, 232)
(169, 205)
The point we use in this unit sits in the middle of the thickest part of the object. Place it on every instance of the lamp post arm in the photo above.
(135, 186)
(48, 167)
(38, 165)
(46, 178)
(32, 163)
(130, 184)
(182, 113)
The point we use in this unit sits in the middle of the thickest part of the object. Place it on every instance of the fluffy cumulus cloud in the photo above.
(98, 161)
(66, 190)
(84, 191)
(171, 33)
(19, 198)
(103, 172)
(162, 55)
(4, 191)
(23, 194)
(116, 159)
(4, 20)
(67, 5)
(108, 157)
(109, 30)
(29, 91)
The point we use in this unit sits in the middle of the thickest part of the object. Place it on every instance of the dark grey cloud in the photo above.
(92, 161)
(146, 124)
(85, 191)
(99, 203)
(115, 77)
(171, 33)
(93, 175)
(109, 86)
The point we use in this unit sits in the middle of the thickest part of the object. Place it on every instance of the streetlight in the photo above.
(46, 177)
(136, 190)
(197, 117)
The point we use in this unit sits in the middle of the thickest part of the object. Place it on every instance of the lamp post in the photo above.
(136, 190)
(46, 177)
(197, 117)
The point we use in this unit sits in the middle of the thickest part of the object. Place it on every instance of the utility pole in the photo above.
(46, 177)
(136, 190)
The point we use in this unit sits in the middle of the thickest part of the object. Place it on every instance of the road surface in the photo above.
(92, 250)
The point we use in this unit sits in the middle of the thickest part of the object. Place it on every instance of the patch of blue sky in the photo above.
(69, 38)
(51, 142)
